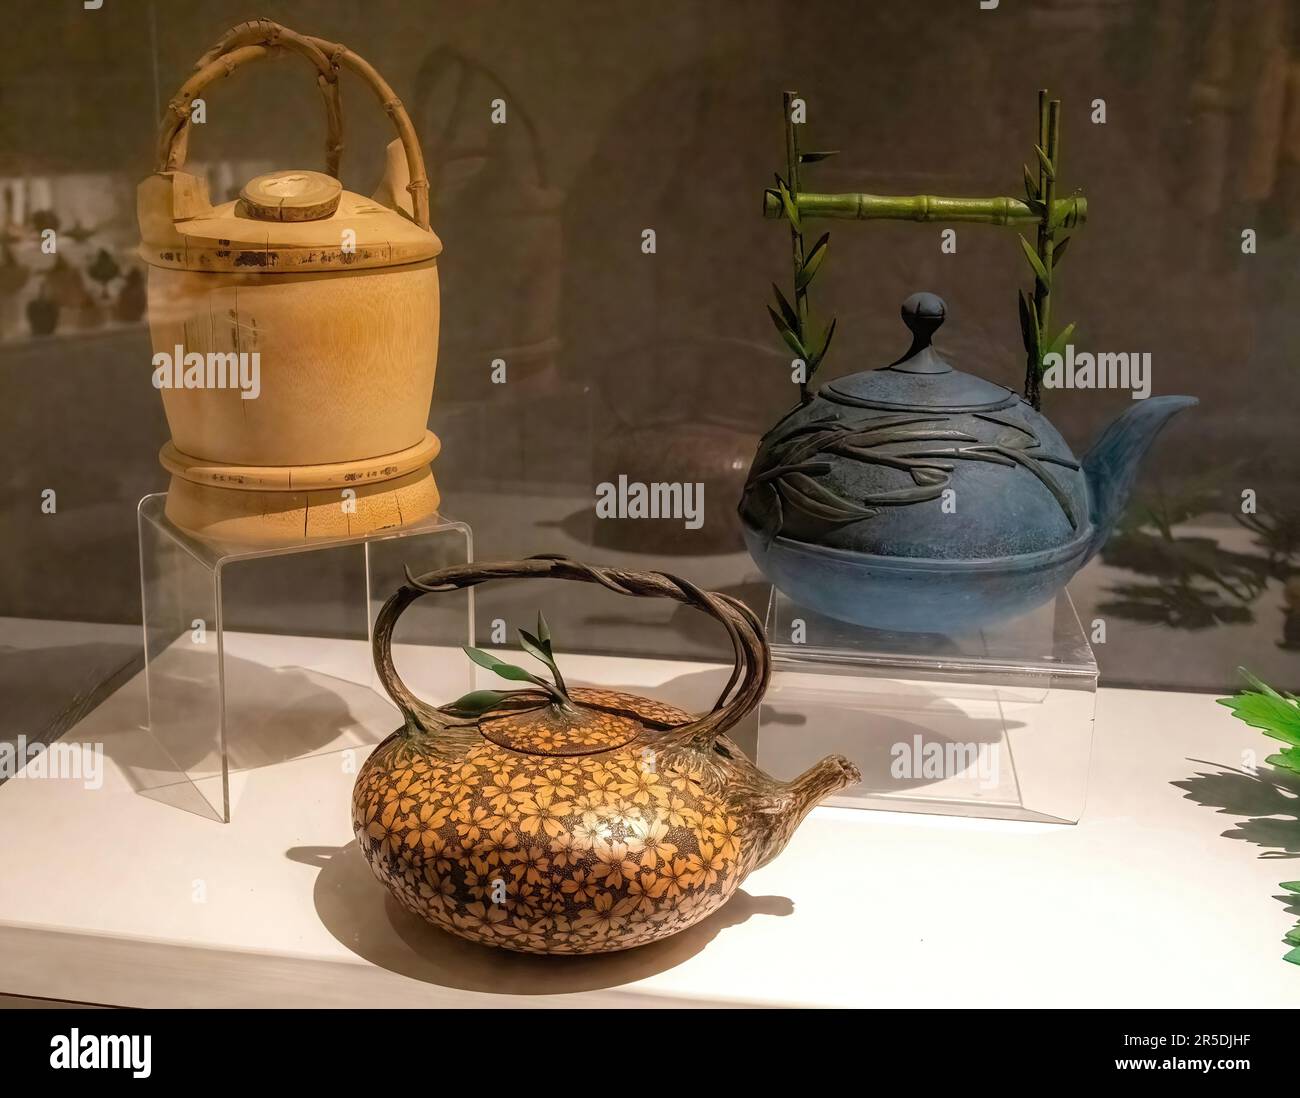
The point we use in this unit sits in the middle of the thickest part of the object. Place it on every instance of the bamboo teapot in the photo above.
(572, 820)
(295, 328)
(851, 506)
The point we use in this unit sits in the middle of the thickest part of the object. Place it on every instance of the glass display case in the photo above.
(510, 269)
(222, 699)
(997, 723)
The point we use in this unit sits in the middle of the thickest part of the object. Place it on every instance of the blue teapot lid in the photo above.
(921, 379)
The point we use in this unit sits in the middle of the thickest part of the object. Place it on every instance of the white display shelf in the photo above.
(113, 897)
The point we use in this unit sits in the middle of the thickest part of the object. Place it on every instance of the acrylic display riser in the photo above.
(255, 655)
(996, 724)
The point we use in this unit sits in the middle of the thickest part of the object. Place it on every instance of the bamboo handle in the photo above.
(743, 691)
(262, 38)
(1066, 212)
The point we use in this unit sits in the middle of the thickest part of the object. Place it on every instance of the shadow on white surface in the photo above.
(360, 912)
(1268, 800)
(276, 714)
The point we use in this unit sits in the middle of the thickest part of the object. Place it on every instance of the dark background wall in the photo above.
(625, 116)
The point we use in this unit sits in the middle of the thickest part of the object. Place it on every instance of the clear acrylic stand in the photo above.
(997, 724)
(257, 655)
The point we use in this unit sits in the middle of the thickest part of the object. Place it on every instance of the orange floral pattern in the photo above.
(547, 852)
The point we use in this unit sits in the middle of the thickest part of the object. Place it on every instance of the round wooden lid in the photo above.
(291, 196)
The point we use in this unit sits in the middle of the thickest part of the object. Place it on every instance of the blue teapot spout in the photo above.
(1111, 465)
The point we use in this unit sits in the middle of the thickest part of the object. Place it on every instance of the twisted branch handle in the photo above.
(262, 38)
(744, 689)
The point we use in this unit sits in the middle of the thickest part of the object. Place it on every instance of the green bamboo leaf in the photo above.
(483, 659)
(812, 263)
(813, 157)
(1293, 936)
(1060, 211)
(533, 647)
(791, 340)
(478, 701)
(1262, 686)
(787, 310)
(816, 360)
(1062, 338)
(1040, 272)
(791, 210)
(1031, 186)
(1028, 324)
(1293, 956)
(1290, 886)
(539, 647)
(1059, 250)
(1048, 167)
(500, 667)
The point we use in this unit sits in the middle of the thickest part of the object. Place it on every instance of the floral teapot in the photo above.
(567, 820)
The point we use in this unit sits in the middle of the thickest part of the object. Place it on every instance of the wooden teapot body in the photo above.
(528, 831)
(325, 302)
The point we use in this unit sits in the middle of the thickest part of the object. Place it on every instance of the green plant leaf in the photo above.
(1293, 936)
(1062, 338)
(1268, 711)
(816, 360)
(1058, 215)
(479, 701)
(1028, 324)
(1040, 272)
(813, 157)
(787, 310)
(1263, 687)
(812, 262)
(1049, 169)
(1293, 956)
(500, 667)
(1286, 760)
(787, 201)
(534, 648)
(541, 650)
(1290, 886)
(1031, 186)
(791, 340)
(543, 632)
(1059, 250)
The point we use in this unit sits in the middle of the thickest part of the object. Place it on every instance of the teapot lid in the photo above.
(922, 378)
(543, 729)
(282, 223)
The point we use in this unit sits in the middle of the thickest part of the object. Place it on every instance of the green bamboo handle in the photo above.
(1066, 212)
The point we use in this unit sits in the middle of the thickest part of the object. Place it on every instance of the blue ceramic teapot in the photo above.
(918, 498)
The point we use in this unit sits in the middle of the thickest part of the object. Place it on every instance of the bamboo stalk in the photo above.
(1068, 212)
(1049, 139)
(796, 233)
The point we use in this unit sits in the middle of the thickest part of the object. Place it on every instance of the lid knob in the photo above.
(922, 313)
(291, 196)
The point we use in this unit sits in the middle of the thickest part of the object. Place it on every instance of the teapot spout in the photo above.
(799, 797)
(1111, 465)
